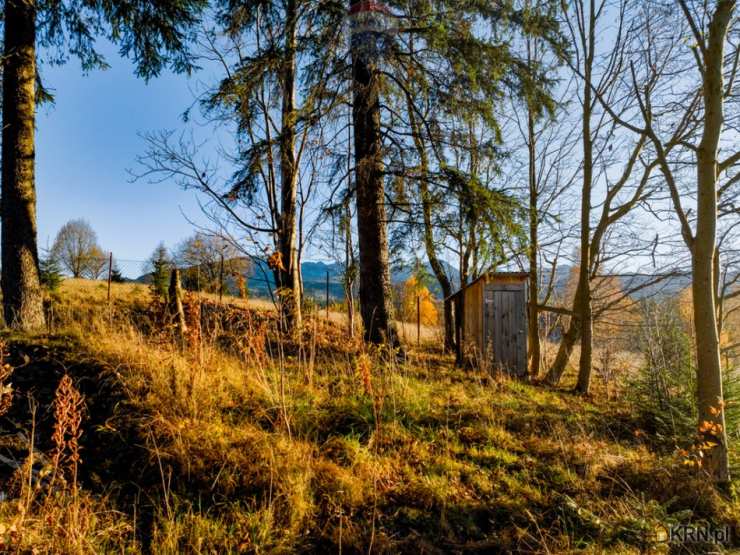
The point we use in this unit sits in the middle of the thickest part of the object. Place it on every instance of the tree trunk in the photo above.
(533, 321)
(375, 283)
(349, 268)
(709, 369)
(429, 245)
(567, 343)
(290, 296)
(581, 323)
(571, 337)
(583, 307)
(436, 264)
(22, 297)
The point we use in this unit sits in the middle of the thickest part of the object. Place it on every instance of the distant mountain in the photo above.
(260, 280)
(641, 285)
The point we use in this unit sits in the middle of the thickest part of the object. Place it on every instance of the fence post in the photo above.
(327, 294)
(175, 308)
(418, 320)
(221, 280)
(110, 273)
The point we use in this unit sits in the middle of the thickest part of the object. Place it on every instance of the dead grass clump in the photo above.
(6, 388)
(48, 512)
(68, 409)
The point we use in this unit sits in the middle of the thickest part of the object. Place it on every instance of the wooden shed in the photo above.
(491, 321)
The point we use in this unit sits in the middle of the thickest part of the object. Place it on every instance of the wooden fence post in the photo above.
(176, 311)
(418, 320)
(110, 273)
(221, 280)
(327, 294)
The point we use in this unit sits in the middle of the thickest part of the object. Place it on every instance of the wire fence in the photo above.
(420, 315)
(224, 277)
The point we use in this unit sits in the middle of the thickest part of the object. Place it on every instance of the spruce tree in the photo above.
(50, 273)
(458, 53)
(160, 265)
(153, 34)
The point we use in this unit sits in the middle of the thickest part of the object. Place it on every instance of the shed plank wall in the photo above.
(474, 312)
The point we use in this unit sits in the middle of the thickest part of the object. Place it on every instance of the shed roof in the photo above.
(491, 276)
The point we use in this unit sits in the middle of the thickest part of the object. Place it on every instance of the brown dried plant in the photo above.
(68, 410)
(275, 261)
(193, 335)
(6, 389)
(364, 365)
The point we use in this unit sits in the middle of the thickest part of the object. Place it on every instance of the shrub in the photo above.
(50, 273)
(664, 388)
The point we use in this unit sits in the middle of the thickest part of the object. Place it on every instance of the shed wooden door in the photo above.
(505, 327)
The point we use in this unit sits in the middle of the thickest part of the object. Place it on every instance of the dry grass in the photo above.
(85, 291)
(318, 445)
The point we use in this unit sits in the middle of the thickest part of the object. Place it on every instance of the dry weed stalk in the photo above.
(364, 369)
(68, 409)
(193, 335)
(363, 366)
(254, 340)
(6, 388)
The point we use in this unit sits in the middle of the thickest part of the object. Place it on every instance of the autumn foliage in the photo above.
(413, 289)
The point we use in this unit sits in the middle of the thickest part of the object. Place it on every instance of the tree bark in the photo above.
(709, 369)
(289, 275)
(375, 283)
(429, 245)
(533, 321)
(22, 296)
(567, 343)
(349, 269)
(583, 307)
(436, 264)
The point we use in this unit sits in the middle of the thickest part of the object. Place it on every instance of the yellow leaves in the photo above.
(413, 293)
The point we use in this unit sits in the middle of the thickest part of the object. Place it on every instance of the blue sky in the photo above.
(88, 140)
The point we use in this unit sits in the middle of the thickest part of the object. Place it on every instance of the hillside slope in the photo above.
(243, 441)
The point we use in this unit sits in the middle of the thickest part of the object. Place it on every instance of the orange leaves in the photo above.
(715, 411)
(710, 428)
(275, 262)
(709, 437)
(413, 290)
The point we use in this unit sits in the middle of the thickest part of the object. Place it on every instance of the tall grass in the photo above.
(252, 441)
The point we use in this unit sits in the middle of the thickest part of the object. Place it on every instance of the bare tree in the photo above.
(76, 249)
(598, 69)
(549, 140)
(206, 261)
(97, 263)
(685, 126)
